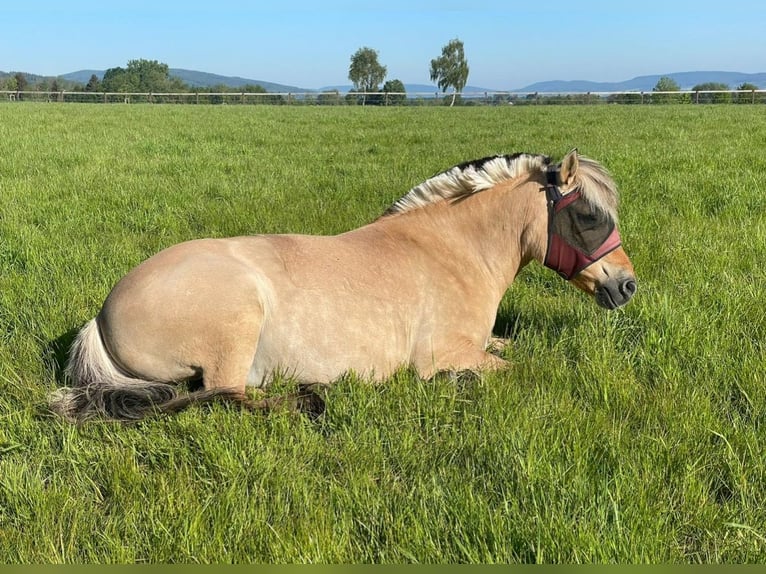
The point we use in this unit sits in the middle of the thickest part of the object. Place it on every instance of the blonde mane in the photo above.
(597, 186)
(593, 181)
(467, 178)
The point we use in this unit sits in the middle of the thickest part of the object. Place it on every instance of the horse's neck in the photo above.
(480, 233)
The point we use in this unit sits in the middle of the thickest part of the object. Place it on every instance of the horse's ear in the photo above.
(569, 166)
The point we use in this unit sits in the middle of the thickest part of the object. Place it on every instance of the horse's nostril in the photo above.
(628, 287)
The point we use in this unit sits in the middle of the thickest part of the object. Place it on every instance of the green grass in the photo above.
(632, 436)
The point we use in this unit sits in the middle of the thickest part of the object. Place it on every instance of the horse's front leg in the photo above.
(465, 356)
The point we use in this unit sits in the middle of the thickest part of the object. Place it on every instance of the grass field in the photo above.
(631, 436)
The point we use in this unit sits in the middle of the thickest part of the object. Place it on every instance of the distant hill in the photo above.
(35, 79)
(686, 81)
(205, 80)
(82, 76)
(31, 78)
(195, 79)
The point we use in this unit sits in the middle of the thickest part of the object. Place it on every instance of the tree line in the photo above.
(702, 93)
(450, 69)
(139, 76)
(664, 92)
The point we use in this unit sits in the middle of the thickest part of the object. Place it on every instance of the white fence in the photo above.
(392, 98)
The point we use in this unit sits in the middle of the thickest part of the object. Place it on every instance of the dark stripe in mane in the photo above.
(478, 164)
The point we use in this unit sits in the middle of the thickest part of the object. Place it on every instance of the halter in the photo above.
(577, 237)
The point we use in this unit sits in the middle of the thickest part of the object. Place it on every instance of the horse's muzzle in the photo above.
(615, 292)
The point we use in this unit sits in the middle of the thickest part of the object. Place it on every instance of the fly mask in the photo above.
(578, 234)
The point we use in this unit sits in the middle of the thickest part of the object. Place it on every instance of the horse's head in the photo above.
(584, 245)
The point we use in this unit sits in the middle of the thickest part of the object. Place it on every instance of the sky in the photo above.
(508, 44)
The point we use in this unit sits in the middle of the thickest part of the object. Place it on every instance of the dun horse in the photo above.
(420, 286)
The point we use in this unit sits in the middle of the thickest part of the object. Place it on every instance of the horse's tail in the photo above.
(102, 390)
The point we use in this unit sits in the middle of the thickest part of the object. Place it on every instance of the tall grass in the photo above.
(632, 436)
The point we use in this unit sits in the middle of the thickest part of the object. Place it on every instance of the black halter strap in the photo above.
(552, 191)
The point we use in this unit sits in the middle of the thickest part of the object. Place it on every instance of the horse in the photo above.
(418, 287)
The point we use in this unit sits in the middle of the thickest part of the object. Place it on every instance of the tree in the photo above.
(117, 80)
(141, 76)
(10, 84)
(21, 81)
(450, 69)
(93, 84)
(712, 98)
(748, 98)
(149, 75)
(395, 92)
(666, 84)
(365, 71)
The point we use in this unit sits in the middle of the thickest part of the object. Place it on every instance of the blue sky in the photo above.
(508, 44)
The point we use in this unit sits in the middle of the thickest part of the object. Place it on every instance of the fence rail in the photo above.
(392, 98)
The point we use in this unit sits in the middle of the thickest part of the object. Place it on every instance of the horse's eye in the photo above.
(588, 219)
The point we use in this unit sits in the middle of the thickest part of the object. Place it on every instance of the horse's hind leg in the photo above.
(227, 369)
(224, 358)
(228, 357)
(228, 361)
